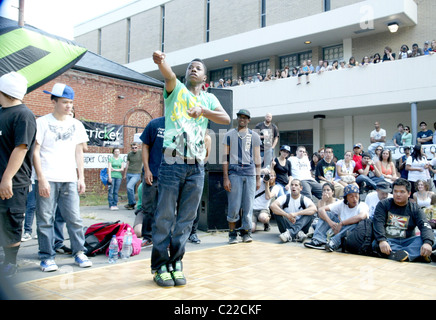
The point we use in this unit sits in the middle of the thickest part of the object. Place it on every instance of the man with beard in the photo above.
(269, 136)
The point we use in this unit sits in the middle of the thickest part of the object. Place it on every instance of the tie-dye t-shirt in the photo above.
(183, 133)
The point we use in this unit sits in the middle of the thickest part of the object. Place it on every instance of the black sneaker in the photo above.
(177, 274)
(400, 255)
(315, 245)
(266, 227)
(330, 246)
(163, 278)
(233, 237)
(64, 250)
(194, 238)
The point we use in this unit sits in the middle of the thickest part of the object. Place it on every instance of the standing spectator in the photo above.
(416, 51)
(294, 214)
(115, 175)
(388, 55)
(58, 162)
(152, 142)
(404, 53)
(377, 138)
(425, 136)
(282, 169)
(398, 136)
(132, 173)
(17, 141)
(376, 58)
(395, 220)
(241, 175)
(406, 138)
(417, 166)
(427, 48)
(181, 173)
(402, 163)
(269, 136)
(301, 170)
(337, 219)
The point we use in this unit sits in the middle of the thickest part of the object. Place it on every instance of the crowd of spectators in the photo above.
(308, 68)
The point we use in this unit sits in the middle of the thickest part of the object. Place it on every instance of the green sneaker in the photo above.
(163, 278)
(177, 274)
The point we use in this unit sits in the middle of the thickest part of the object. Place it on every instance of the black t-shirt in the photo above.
(267, 134)
(282, 172)
(326, 170)
(17, 127)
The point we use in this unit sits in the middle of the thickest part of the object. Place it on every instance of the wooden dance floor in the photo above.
(248, 271)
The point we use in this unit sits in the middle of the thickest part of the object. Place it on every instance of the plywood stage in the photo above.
(248, 271)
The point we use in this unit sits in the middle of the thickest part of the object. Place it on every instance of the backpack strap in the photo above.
(286, 204)
(288, 197)
(302, 205)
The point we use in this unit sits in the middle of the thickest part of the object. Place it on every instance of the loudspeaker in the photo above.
(213, 204)
(217, 131)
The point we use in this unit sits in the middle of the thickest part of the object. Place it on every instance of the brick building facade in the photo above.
(104, 99)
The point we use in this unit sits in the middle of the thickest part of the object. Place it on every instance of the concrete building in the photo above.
(246, 37)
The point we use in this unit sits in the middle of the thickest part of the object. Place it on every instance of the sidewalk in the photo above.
(28, 255)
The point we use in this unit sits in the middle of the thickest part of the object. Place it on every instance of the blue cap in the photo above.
(62, 91)
(351, 188)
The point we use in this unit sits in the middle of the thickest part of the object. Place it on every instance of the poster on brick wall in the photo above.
(104, 134)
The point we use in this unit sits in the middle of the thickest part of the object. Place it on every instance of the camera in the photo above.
(266, 177)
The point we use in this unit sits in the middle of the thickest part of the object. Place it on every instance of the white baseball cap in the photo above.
(14, 85)
(61, 90)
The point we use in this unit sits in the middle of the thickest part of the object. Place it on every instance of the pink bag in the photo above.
(136, 243)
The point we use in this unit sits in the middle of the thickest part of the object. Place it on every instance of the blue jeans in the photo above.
(59, 224)
(66, 196)
(311, 187)
(412, 245)
(132, 180)
(267, 156)
(112, 195)
(30, 210)
(322, 227)
(302, 224)
(240, 197)
(149, 203)
(369, 181)
(180, 187)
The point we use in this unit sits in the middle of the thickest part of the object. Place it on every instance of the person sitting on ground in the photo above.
(395, 220)
(268, 191)
(367, 173)
(387, 167)
(382, 192)
(337, 219)
(345, 170)
(326, 172)
(357, 152)
(294, 214)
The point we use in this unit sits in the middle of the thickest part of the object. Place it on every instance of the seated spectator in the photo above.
(278, 74)
(311, 67)
(432, 166)
(406, 138)
(294, 214)
(268, 191)
(319, 66)
(365, 61)
(249, 80)
(335, 65)
(300, 165)
(258, 78)
(313, 162)
(357, 152)
(345, 170)
(305, 71)
(376, 157)
(388, 55)
(382, 192)
(404, 53)
(240, 81)
(294, 72)
(342, 65)
(228, 83)
(326, 172)
(352, 63)
(433, 47)
(337, 219)
(367, 174)
(376, 58)
(220, 83)
(416, 51)
(282, 168)
(377, 138)
(268, 75)
(425, 136)
(387, 167)
(422, 197)
(285, 73)
(426, 50)
(395, 220)
(434, 133)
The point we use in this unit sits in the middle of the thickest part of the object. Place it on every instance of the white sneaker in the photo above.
(301, 236)
(26, 237)
(285, 236)
(48, 265)
(114, 208)
(82, 260)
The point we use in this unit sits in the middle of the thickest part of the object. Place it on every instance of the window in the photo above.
(216, 75)
(294, 60)
(297, 138)
(207, 20)
(327, 5)
(333, 53)
(163, 29)
(263, 14)
(251, 69)
(129, 30)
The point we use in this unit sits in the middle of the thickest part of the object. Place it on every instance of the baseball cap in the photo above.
(244, 112)
(13, 84)
(286, 148)
(357, 146)
(384, 187)
(62, 91)
(351, 188)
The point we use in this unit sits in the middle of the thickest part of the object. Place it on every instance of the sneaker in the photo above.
(129, 206)
(400, 255)
(331, 246)
(26, 237)
(7, 270)
(64, 250)
(163, 278)
(177, 274)
(146, 243)
(82, 260)
(286, 236)
(301, 236)
(246, 237)
(48, 265)
(194, 238)
(266, 227)
(314, 244)
(114, 208)
(233, 237)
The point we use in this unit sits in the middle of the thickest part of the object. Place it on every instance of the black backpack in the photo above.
(288, 197)
(359, 241)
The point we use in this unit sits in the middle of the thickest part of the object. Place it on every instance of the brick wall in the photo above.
(97, 99)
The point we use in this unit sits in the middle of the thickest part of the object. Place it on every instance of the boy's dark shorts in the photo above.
(12, 217)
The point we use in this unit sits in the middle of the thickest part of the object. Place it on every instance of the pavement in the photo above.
(28, 261)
